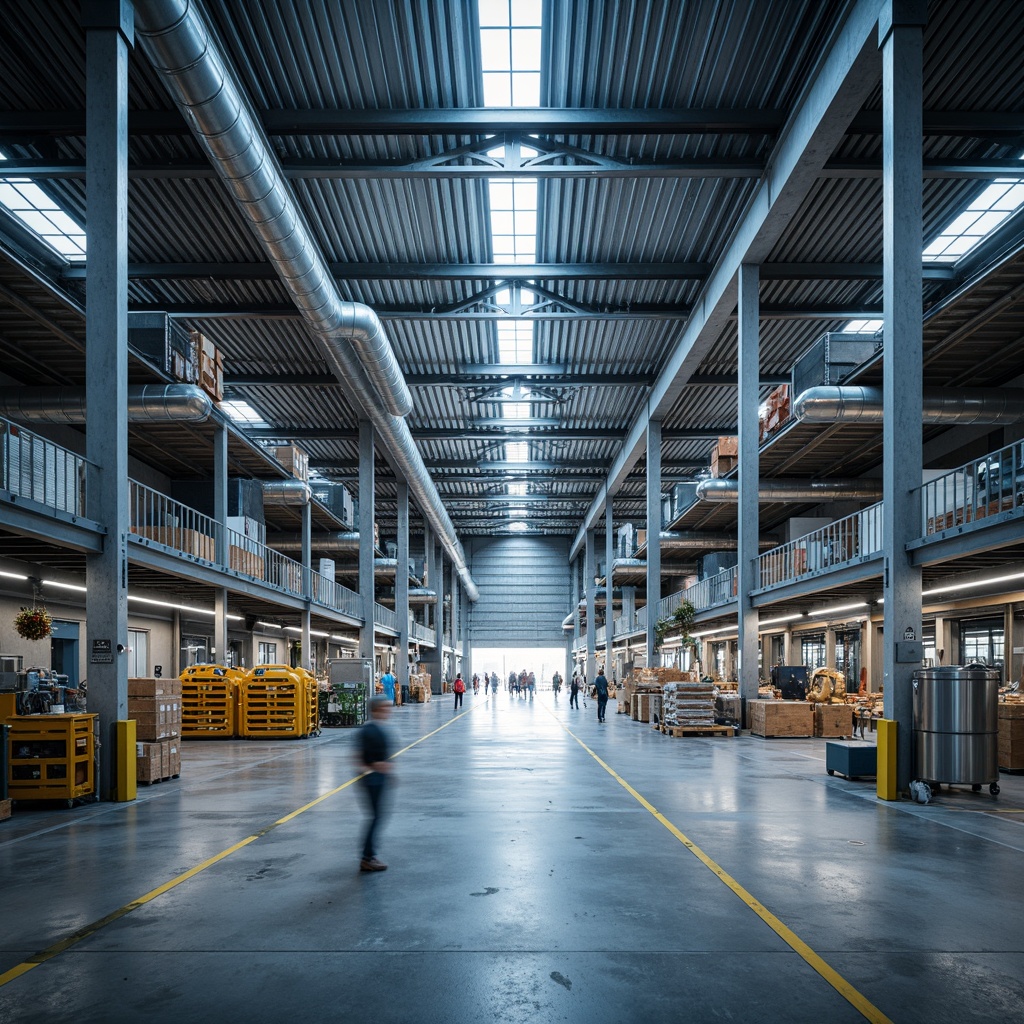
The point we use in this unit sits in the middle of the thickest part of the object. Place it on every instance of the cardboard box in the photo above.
(148, 762)
(1011, 736)
(294, 459)
(780, 718)
(156, 718)
(727, 446)
(189, 542)
(170, 751)
(154, 687)
(5, 809)
(833, 720)
(245, 561)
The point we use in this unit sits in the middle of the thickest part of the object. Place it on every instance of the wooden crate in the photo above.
(5, 809)
(780, 718)
(1011, 736)
(245, 561)
(833, 720)
(294, 459)
(189, 542)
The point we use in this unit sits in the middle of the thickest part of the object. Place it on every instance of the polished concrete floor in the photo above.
(526, 883)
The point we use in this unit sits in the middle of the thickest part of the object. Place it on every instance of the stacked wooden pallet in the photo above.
(690, 704)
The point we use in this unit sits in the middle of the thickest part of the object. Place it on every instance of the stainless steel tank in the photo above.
(956, 724)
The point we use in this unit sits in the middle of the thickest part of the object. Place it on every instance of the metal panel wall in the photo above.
(524, 590)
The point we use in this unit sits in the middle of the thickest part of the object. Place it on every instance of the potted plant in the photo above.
(33, 623)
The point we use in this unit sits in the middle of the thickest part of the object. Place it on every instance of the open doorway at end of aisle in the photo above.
(543, 662)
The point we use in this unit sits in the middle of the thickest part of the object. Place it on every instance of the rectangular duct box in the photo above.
(683, 496)
(164, 343)
(831, 359)
(336, 499)
(245, 497)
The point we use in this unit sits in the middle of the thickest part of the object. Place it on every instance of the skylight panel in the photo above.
(42, 216)
(516, 410)
(510, 52)
(517, 451)
(243, 413)
(985, 214)
(517, 489)
(863, 327)
(515, 342)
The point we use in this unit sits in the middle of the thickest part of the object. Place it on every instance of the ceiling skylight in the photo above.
(1000, 200)
(514, 220)
(42, 216)
(517, 451)
(242, 413)
(517, 489)
(510, 52)
(519, 527)
(863, 327)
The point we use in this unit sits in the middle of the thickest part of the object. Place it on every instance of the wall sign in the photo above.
(102, 652)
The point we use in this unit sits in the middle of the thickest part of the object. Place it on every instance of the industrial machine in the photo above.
(351, 682)
(34, 691)
(791, 680)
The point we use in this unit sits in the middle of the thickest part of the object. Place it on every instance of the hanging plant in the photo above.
(33, 623)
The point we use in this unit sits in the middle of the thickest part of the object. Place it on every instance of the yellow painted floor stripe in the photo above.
(836, 980)
(91, 929)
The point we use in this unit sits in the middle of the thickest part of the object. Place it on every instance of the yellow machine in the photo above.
(209, 702)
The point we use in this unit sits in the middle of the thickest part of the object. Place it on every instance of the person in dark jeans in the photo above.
(574, 691)
(460, 689)
(601, 686)
(374, 756)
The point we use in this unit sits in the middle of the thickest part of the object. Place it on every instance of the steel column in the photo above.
(609, 583)
(220, 626)
(366, 545)
(901, 38)
(749, 477)
(220, 494)
(307, 583)
(653, 532)
(590, 571)
(109, 34)
(402, 584)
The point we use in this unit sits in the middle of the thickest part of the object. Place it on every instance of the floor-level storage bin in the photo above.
(51, 757)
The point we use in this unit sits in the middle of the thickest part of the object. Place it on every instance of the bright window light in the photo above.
(1003, 198)
(519, 527)
(517, 451)
(41, 215)
(863, 327)
(510, 52)
(516, 410)
(515, 341)
(242, 412)
(517, 513)
(518, 489)
(513, 219)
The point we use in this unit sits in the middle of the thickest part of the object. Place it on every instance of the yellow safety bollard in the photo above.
(124, 766)
(886, 771)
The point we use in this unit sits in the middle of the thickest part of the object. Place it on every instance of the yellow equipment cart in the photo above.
(51, 757)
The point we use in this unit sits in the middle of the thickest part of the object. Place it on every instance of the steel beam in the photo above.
(844, 81)
(513, 272)
(366, 550)
(40, 522)
(653, 436)
(901, 39)
(609, 583)
(402, 585)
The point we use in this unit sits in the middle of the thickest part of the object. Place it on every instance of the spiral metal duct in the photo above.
(182, 50)
(287, 543)
(794, 490)
(147, 403)
(694, 541)
(940, 406)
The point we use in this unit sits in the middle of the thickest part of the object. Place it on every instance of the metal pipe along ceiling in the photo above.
(147, 403)
(794, 490)
(695, 541)
(181, 49)
(852, 404)
(334, 542)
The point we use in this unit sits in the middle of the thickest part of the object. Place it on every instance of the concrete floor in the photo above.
(526, 884)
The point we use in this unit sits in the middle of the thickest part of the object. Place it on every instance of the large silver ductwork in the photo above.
(696, 541)
(421, 596)
(852, 404)
(180, 47)
(286, 492)
(794, 490)
(147, 403)
(332, 543)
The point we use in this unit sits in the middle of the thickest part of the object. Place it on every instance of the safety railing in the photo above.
(417, 631)
(162, 519)
(599, 635)
(844, 542)
(35, 469)
(975, 491)
(386, 617)
(713, 591)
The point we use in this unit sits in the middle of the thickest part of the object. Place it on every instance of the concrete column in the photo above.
(366, 546)
(589, 571)
(749, 474)
(609, 587)
(220, 494)
(901, 37)
(466, 645)
(307, 583)
(109, 33)
(220, 626)
(629, 605)
(653, 531)
(830, 647)
(176, 665)
(1008, 641)
(402, 585)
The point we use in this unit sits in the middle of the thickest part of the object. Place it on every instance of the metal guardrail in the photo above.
(420, 632)
(975, 491)
(387, 617)
(159, 518)
(33, 468)
(599, 635)
(843, 542)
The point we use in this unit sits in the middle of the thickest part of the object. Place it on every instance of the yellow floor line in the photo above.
(864, 1006)
(91, 929)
